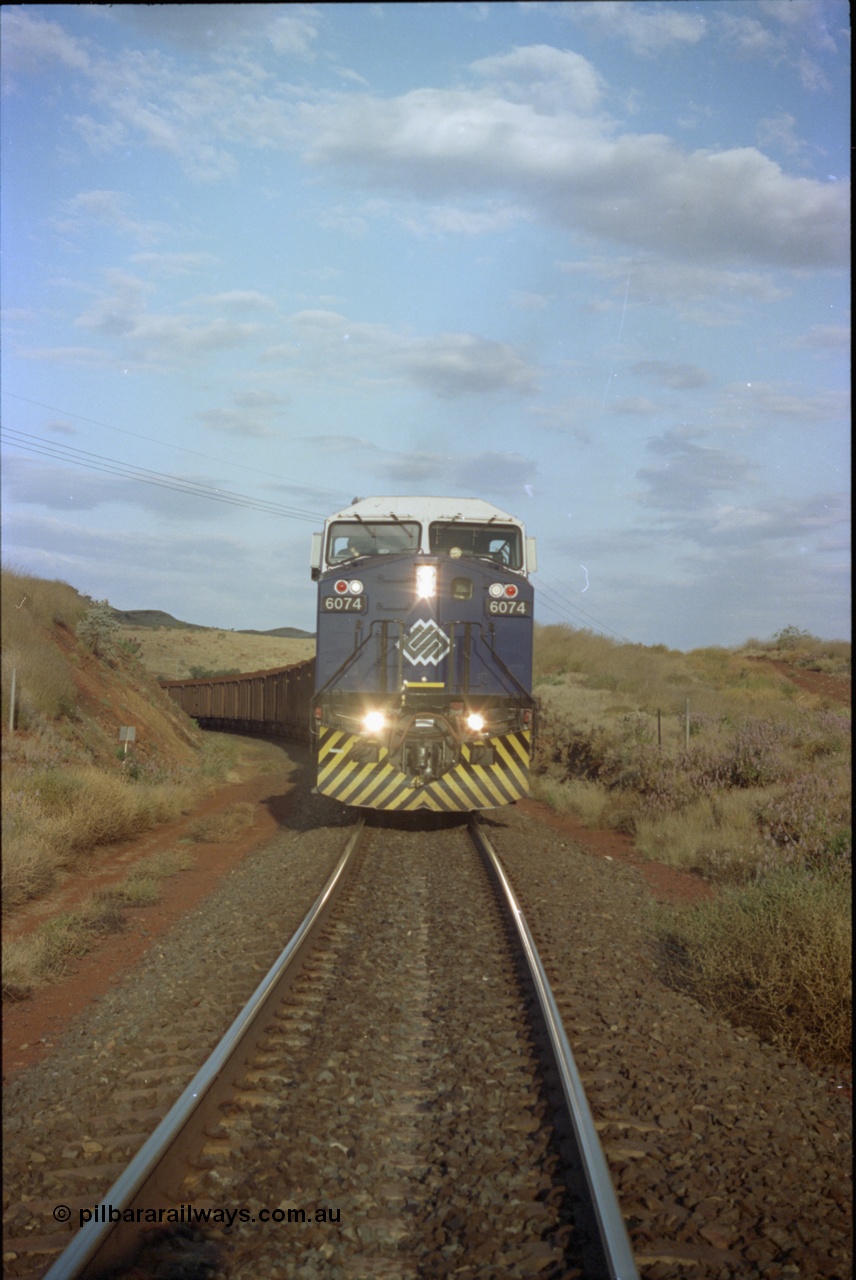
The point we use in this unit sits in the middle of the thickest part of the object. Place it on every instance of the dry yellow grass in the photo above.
(219, 828)
(758, 803)
(53, 818)
(774, 956)
(172, 652)
(31, 609)
(43, 955)
(717, 837)
(585, 801)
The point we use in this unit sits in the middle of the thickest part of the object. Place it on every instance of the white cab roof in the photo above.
(424, 509)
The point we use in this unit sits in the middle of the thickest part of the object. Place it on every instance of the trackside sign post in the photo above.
(127, 733)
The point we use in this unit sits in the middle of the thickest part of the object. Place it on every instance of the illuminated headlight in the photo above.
(374, 721)
(475, 722)
(426, 581)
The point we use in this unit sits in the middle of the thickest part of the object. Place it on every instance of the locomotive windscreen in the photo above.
(498, 542)
(349, 538)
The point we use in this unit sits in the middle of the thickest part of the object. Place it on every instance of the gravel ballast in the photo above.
(728, 1158)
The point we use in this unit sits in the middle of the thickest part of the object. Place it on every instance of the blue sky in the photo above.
(589, 262)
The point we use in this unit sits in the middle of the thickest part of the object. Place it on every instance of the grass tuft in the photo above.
(774, 956)
(46, 954)
(53, 818)
(218, 828)
(713, 765)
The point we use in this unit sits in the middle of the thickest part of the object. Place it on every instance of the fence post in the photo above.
(688, 724)
(659, 730)
(12, 701)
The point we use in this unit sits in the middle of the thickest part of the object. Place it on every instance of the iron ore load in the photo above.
(423, 667)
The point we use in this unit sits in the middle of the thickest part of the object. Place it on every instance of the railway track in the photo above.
(396, 1099)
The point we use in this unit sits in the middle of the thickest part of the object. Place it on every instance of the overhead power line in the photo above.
(550, 598)
(563, 608)
(167, 444)
(162, 480)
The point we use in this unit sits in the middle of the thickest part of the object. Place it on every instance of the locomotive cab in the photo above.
(424, 654)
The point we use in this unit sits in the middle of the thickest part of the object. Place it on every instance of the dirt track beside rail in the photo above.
(32, 1027)
(738, 1157)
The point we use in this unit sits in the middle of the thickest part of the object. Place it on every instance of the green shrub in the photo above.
(98, 629)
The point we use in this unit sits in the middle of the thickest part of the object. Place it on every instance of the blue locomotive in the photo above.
(423, 669)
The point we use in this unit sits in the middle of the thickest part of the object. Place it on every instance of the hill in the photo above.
(734, 765)
(68, 784)
(188, 652)
(139, 618)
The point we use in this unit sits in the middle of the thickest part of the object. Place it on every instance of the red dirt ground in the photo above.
(31, 1027)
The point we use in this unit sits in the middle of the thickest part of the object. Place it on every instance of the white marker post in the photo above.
(127, 733)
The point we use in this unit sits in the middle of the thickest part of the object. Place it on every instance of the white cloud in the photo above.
(780, 131)
(173, 264)
(55, 487)
(648, 28)
(462, 364)
(326, 344)
(690, 473)
(239, 300)
(492, 215)
(732, 206)
(292, 33)
(555, 79)
(235, 422)
(777, 402)
(637, 406)
(31, 44)
(746, 37)
(140, 336)
(218, 29)
(90, 210)
(460, 473)
(527, 144)
(809, 20)
(826, 337)
(676, 376)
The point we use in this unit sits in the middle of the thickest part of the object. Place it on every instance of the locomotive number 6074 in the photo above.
(423, 699)
(509, 608)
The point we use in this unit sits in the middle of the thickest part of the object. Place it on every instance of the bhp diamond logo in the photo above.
(427, 643)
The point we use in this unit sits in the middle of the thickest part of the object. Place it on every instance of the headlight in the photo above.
(426, 581)
(374, 721)
(475, 722)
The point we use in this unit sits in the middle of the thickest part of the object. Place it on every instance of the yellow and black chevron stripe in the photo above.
(380, 785)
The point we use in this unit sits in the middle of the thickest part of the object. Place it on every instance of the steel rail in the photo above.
(99, 1246)
(612, 1233)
